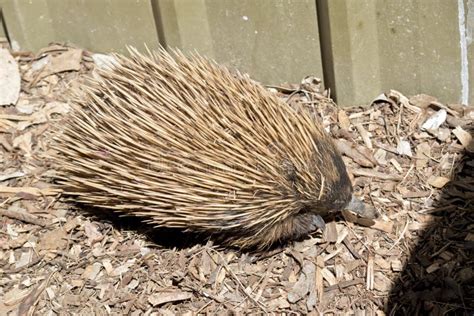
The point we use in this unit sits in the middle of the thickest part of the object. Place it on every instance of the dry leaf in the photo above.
(349, 149)
(375, 174)
(11, 175)
(9, 78)
(299, 289)
(381, 282)
(396, 164)
(435, 120)
(92, 233)
(25, 106)
(343, 119)
(365, 135)
(15, 296)
(25, 258)
(103, 61)
(396, 265)
(443, 134)
(404, 148)
(43, 115)
(156, 299)
(330, 232)
(53, 240)
(464, 137)
(70, 60)
(92, 271)
(107, 266)
(437, 182)
(28, 190)
(422, 100)
(24, 143)
(123, 268)
(328, 276)
(380, 156)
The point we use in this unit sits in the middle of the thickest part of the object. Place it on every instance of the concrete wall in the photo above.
(274, 40)
(99, 25)
(411, 45)
(365, 47)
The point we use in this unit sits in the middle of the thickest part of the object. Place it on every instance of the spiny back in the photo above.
(188, 144)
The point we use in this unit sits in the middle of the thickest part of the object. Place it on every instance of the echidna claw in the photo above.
(318, 222)
(360, 208)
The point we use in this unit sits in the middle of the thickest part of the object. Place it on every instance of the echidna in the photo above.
(189, 144)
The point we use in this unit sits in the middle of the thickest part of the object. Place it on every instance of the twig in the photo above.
(437, 209)
(203, 307)
(375, 174)
(406, 175)
(236, 279)
(32, 263)
(266, 255)
(23, 216)
(212, 297)
(351, 248)
(360, 240)
(370, 272)
(441, 249)
(283, 89)
(399, 119)
(402, 234)
(435, 160)
(6, 201)
(344, 284)
(262, 283)
(288, 99)
(28, 305)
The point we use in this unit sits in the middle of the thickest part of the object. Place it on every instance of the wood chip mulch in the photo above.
(410, 158)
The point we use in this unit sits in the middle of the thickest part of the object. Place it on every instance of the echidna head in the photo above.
(343, 197)
(340, 195)
(341, 192)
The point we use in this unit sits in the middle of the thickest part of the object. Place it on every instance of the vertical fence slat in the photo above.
(412, 46)
(273, 40)
(102, 26)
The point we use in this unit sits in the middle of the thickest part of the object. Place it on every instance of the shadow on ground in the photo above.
(174, 238)
(438, 278)
(168, 238)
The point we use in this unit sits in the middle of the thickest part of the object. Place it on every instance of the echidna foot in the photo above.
(316, 222)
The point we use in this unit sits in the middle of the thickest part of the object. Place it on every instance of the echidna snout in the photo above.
(191, 145)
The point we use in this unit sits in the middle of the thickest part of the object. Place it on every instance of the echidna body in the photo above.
(187, 144)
